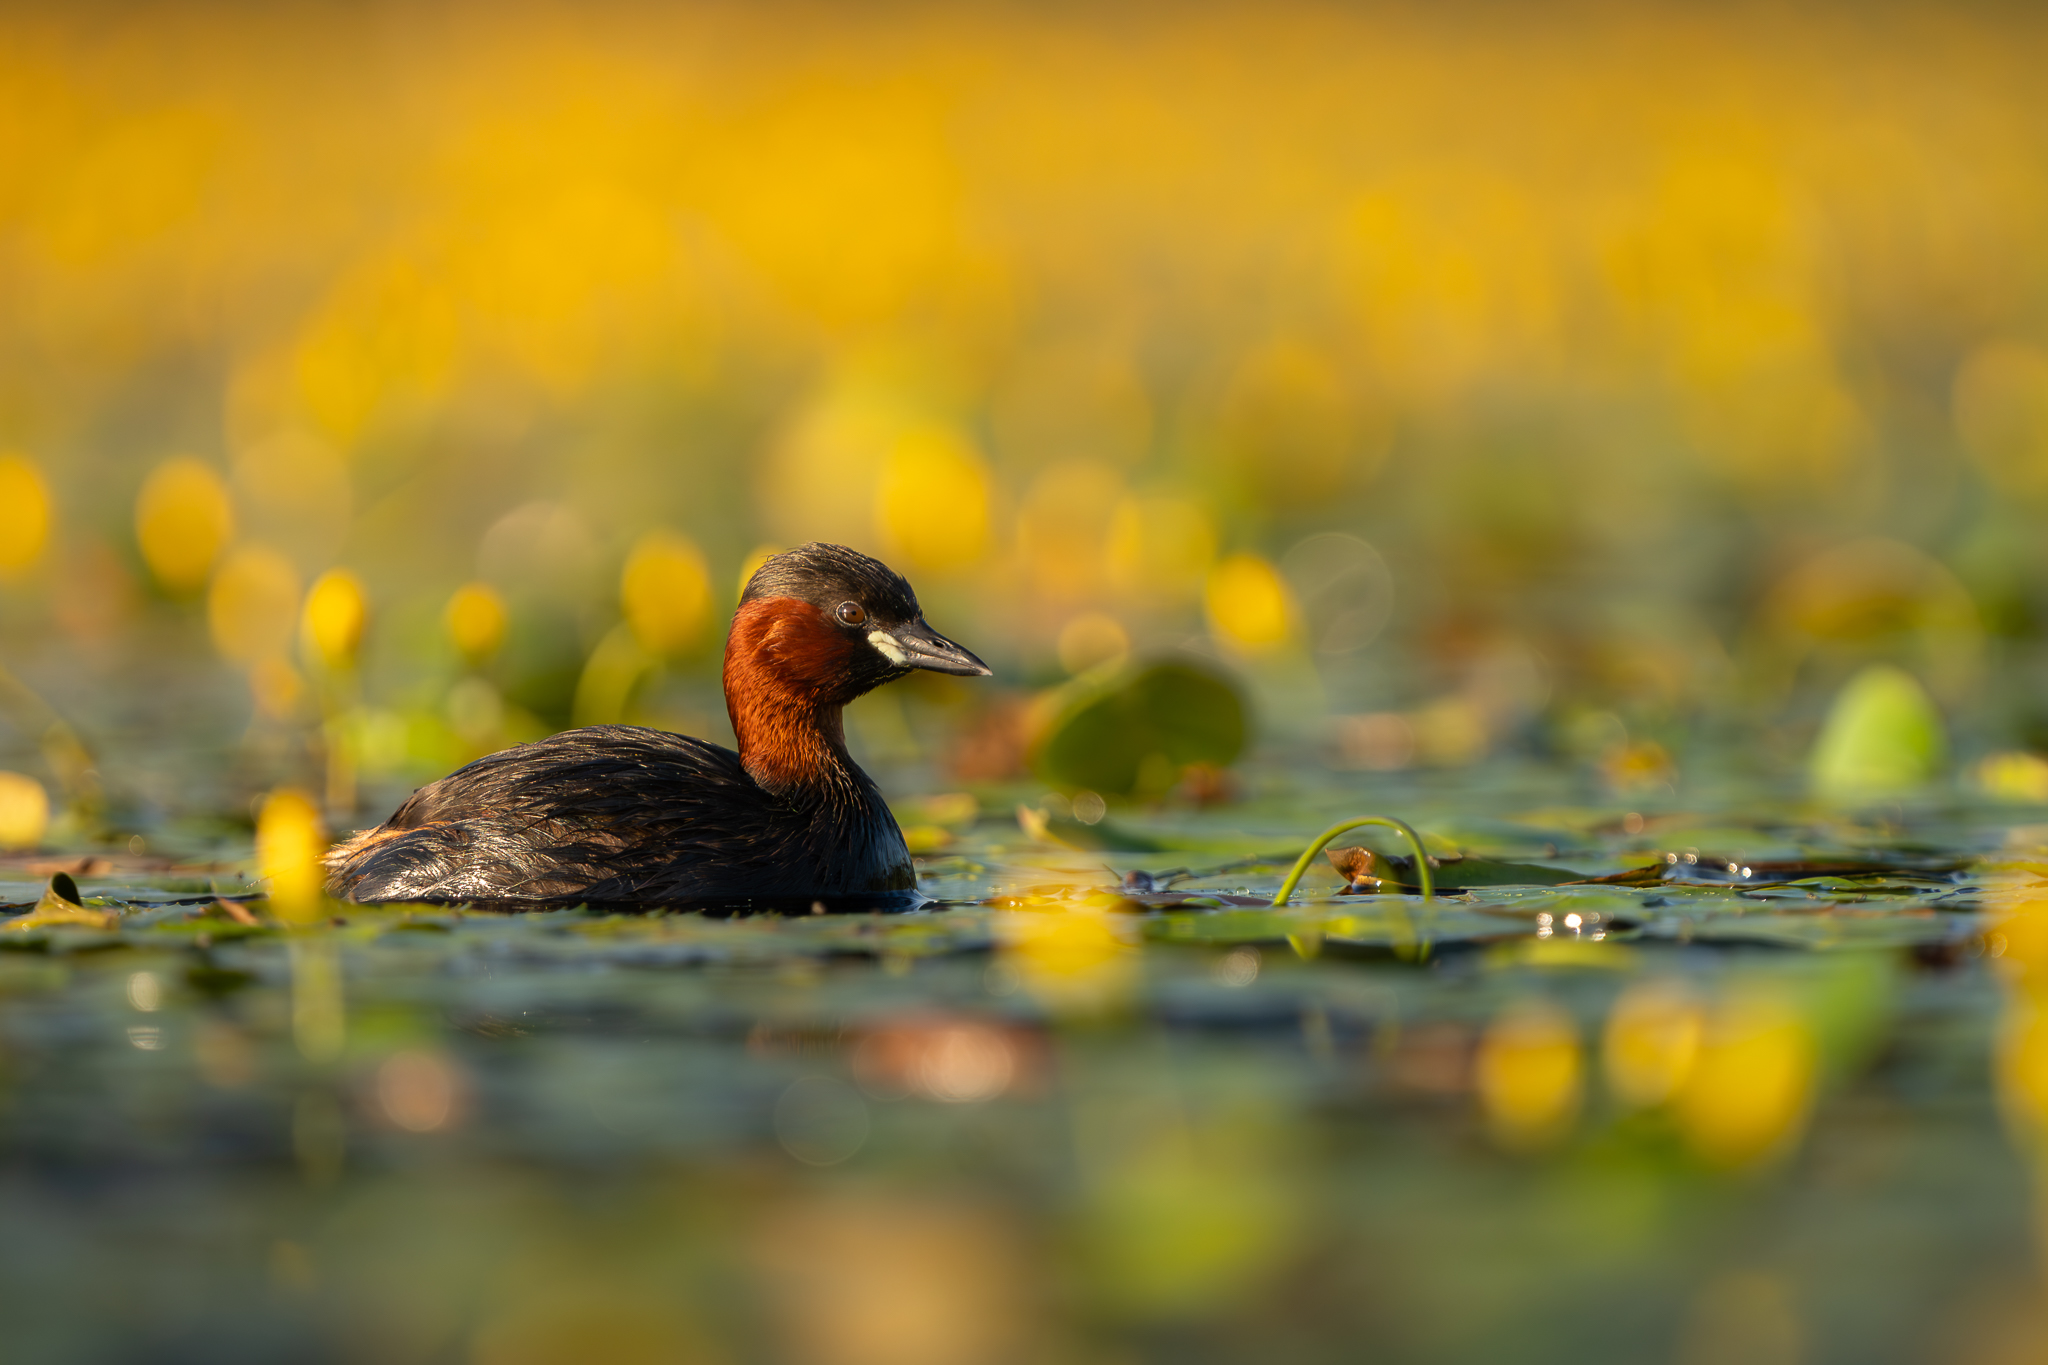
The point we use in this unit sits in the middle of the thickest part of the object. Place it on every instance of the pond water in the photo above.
(1706, 1117)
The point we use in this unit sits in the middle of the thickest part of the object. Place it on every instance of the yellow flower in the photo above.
(253, 604)
(475, 618)
(666, 592)
(336, 611)
(182, 522)
(931, 502)
(1748, 1094)
(289, 842)
(1529, 1075)
(24, 811)
(24, 514)
(1072, 955)
(1249, 604)
(1652, 1042)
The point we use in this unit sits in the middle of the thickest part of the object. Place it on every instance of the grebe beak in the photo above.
(917, 645)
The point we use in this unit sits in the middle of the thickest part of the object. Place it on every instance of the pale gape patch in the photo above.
(886, 643)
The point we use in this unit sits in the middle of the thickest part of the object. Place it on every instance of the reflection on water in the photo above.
(1749, 1121)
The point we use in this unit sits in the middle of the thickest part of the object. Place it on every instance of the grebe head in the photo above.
(831, 623)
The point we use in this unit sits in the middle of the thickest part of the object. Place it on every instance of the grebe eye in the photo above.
(852, 613)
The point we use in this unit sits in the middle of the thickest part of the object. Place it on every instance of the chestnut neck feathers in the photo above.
(784, 690)
(791, 665)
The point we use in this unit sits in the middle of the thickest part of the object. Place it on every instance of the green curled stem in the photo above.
(1422, 872)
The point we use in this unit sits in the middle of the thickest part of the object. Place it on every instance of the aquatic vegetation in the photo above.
(1611, 437)
(1094, 1106)
(1138, 732)
(1883, 737)
(1420, 867)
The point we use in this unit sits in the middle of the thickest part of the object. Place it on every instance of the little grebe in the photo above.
(621, 814)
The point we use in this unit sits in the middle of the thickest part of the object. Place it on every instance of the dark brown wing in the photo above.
(606, 813)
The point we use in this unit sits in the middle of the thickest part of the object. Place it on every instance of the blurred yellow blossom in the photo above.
(2014, 775)
(182, 523)
(1073, 954)
(289, 842)
(665, 590)
(1091, 639)
(253, 605)
(385, 335)
(277, 686)
(1063, 527)
(475, 618)
(818, 479)
(1161, 545)
(2022, 1065)
(24, 811)
(1651, 1041)
(1638, 766)
(1249, 604)
(2021, 938)
(337, 609)
(24, 514)
(932, 500)
(1529, 1075)
(1749, 1091)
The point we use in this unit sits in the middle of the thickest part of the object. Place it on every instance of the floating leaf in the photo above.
(1457, 874)
(1882, 738)
(61, 906)
(1136, 733)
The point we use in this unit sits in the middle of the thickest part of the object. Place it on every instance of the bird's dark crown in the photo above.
(818, 626)
(826, 575)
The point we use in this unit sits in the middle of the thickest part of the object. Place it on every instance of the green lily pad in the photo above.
(1883, 737)
(1137, 733)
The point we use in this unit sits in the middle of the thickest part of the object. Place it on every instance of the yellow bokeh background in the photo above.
(1665, 375)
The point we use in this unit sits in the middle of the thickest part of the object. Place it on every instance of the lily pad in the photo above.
(1137, 733)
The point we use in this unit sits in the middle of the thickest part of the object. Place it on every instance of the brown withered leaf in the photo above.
(224, 909)
(1357, 866)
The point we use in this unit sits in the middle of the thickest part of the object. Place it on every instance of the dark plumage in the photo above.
(620, 814)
